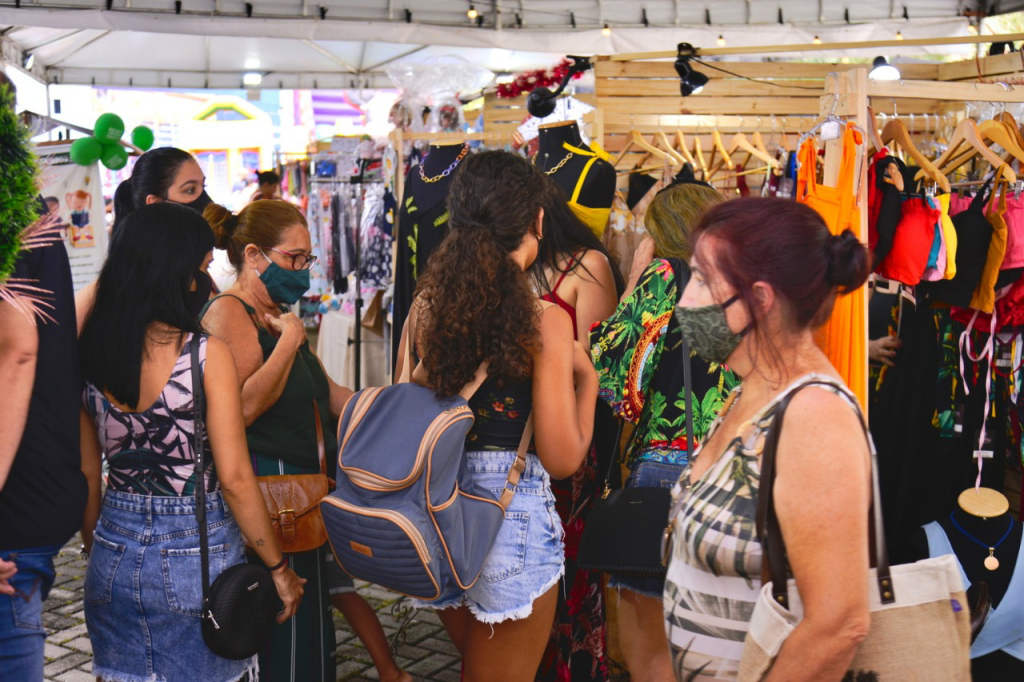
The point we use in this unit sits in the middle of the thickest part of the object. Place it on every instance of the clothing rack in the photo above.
(357, 181)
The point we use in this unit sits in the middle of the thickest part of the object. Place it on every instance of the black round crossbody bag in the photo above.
(240, 608)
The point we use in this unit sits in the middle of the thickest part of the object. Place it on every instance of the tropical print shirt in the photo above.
(638, 357)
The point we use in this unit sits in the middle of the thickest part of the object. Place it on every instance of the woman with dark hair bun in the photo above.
(766, 274)
(475, 304)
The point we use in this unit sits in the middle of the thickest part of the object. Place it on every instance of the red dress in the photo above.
(576, 650)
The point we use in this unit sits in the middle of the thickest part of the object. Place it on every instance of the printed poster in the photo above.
(74, 194)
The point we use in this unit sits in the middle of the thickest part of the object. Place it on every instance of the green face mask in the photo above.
(707, 331)
(284, 286)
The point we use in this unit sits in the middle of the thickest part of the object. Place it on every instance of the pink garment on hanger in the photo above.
(1014, 217)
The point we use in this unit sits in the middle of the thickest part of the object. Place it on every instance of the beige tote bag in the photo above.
(920, 623)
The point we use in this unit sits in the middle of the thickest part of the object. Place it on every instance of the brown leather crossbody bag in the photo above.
(293, 502)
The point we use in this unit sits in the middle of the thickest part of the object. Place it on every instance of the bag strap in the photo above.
(769, 530)
(518, 467)
(200, 472)
(320, 447)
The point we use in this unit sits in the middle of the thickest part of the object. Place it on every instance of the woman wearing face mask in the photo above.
(641, 373)
(268, 245)
(161, 174)
(766, 273)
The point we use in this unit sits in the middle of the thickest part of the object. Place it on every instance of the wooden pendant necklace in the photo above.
(991, 562)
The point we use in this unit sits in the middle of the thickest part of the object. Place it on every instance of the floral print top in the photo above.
(151, 452)
(501, 413)
(637, 354)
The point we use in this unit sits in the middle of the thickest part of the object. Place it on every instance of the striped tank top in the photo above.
(714, 574)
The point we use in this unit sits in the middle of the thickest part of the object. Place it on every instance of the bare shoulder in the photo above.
(827, 424)
(554, 323)
(224, 312)
(595, 267)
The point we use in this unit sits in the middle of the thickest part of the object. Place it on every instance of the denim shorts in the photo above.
(143, 589)
(528, 556)
(22, 633)
(647, 475)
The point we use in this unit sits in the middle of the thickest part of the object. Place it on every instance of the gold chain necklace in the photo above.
(447, 171)
(560, 164)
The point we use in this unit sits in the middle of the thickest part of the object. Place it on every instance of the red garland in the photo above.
(541, 78)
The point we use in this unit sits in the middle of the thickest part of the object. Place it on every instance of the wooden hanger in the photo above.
(684, 150)
(716, 139)
(740, 141)
(967, 133)
(625, 149)
(1001, 133)
(663, 138)
(873, 131)
(759, 143)
(639, 141)
(896, 131)
(699, 155)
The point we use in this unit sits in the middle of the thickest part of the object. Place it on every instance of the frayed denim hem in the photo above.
(515, 614)
(252, 673)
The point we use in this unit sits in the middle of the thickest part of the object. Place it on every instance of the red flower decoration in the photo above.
(498, 407)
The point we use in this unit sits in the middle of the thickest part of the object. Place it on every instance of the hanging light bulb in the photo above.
(721, 41)
(606, 31)
(817, 40)
(472, 13)
(972, 29)
(899, 35)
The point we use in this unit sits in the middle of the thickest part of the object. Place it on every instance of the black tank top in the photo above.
(501, 414)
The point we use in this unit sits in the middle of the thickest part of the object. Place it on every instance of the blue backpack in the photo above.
(406, 514)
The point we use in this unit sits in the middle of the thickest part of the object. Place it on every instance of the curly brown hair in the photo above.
(477, 302)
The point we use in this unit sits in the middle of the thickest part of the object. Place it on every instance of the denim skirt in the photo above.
(647, 474)
(143, 589)
(528, 555)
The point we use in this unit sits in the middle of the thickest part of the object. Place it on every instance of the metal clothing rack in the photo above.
(357, 181)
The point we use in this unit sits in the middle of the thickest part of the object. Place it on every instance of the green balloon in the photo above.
(86, 150)
(108, 128)
(114, 156)
(142, 137)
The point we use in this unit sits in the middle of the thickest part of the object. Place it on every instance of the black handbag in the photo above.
(240, 608)
(626, 527)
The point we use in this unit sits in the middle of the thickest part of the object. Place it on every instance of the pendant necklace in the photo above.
(991, 562)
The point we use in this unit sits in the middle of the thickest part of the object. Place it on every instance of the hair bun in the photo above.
(848, 262)
(230, 224)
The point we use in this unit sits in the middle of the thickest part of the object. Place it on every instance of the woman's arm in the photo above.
(92, 467)
(595, 298)
(642, 258)
(85, 298)
(226, 430)
(339, 394)
(822, 494)
(564, 395)
(262, 382)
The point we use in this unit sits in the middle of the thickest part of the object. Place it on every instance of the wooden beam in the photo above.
(957, 92)
(754, 106)
(996, 65)
(785, 70)
(821, 47)
(622, 87)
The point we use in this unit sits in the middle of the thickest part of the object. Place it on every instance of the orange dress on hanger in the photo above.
(844, 337)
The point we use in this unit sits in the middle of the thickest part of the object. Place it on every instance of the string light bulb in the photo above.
(721, 41)
(472, 13)
(817, 40)
(606, 31)
(972, 29)
(899, 35)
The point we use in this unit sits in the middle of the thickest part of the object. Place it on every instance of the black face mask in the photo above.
(197, 204)
(198, 299)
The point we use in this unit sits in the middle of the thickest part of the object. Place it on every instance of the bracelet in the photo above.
(279, 564)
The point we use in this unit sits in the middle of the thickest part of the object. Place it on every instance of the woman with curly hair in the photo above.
(475, 304)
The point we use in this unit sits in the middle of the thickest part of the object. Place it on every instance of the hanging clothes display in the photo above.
(843, 337)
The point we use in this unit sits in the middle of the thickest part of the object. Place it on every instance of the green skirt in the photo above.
(303, 647)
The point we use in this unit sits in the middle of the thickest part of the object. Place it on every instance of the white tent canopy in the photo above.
(212, 43)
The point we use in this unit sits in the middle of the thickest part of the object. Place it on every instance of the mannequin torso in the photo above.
(597, 190)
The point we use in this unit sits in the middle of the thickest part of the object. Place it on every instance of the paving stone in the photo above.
(76, 676)
(81, 644)
(67, 634)
(52, 651)
(429, 665)
(351, 670)
(65, 663)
